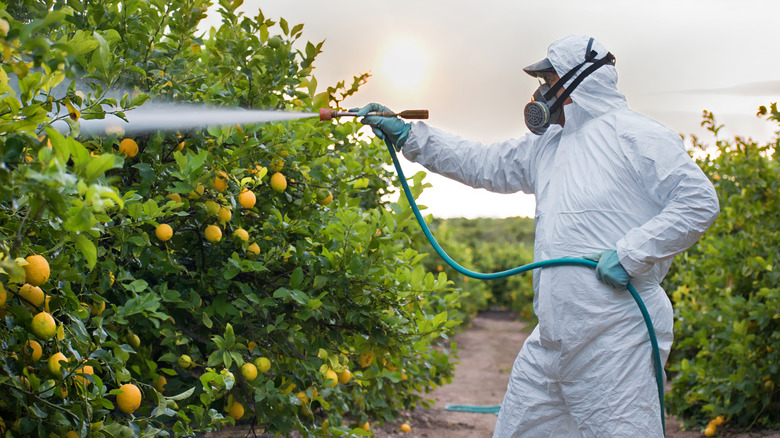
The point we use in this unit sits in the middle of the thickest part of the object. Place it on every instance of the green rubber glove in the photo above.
(392, 130)
(609, 270)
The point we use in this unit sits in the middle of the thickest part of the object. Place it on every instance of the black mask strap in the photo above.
(558, 85)
(607, 59)
(590, 55)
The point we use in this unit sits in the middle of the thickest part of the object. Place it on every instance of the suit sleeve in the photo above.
(503, 167)
(688, 199)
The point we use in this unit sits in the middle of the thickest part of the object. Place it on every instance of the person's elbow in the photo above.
(711, 206)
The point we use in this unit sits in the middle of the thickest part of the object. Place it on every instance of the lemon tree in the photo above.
(725, 365)
(163, 277)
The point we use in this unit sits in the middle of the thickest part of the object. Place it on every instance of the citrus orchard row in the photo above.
(725, 365)
(197, 278)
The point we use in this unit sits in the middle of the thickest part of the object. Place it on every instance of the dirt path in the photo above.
(487, 352)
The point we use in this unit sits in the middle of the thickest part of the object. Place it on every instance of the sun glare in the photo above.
(404, 64)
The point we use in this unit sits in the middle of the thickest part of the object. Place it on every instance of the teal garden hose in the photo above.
(659, 376)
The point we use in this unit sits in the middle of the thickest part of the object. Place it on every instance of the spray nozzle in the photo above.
(329, 113)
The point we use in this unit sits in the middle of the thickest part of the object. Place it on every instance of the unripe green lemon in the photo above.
(184, 361)
(44, 326)
(262, 364)
(212, 207)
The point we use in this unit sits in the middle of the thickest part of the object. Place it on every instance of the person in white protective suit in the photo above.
(609, 182)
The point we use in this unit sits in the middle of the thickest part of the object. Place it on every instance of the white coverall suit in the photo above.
(609, 179)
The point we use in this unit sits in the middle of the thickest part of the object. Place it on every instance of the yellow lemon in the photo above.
(43, 326)
(254, 249)
(236, 410)
(365, 426)
(159, 383)
(278, 182)
(98, 308)
(86, 369)
(129, 399)
(55, 367)
(198, 192)
(220, 183)
(213, 233)
(326, 201)
(251, 345)
(3, 295)
(711, 430)
(128, 147)
(286, 389)
(406, 428)
(224, 214)
(36, 270)
(262, 364)
(180, 146)
(344, 376)
(33, 349)
(249, 371)
(718, 420)
(256, 169)
(33, 295)
(332, 376)
(366, 358)
(247, 198)
(164, 232)
(241, 234)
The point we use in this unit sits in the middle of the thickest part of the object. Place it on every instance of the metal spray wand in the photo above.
(328, 114)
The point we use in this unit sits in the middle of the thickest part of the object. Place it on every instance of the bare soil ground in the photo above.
(487, 351)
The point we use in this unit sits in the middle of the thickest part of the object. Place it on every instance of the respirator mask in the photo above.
(546, 106)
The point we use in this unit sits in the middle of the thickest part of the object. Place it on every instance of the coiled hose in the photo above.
(659, 376)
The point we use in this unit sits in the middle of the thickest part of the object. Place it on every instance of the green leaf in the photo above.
(227, 359)
(151, 209)
(361, 183)
(137, 286)
(230, 337)
(183, 395)
(87, 248)
(320, 100)
(214, 359)
(101, 55)
(98, 166)
(296, 278)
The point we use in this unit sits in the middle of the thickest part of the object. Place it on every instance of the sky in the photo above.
(463, 61)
